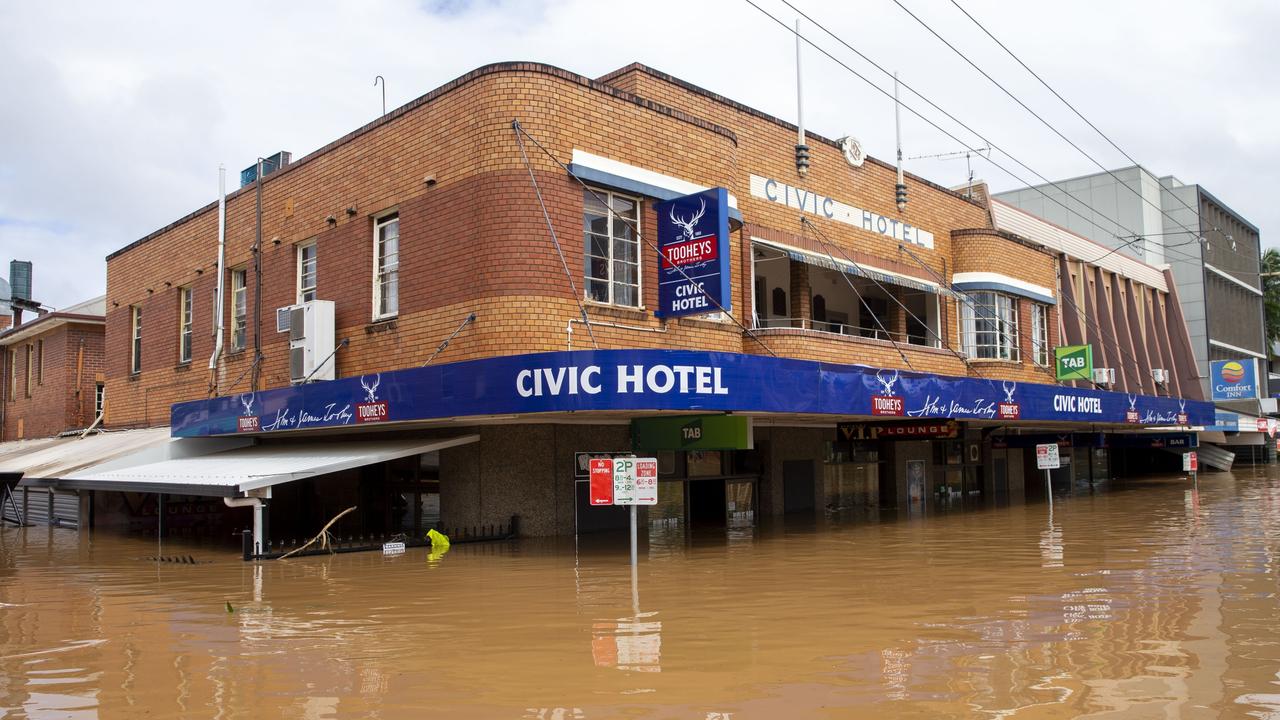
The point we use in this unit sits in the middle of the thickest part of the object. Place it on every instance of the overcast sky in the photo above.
(116, 115)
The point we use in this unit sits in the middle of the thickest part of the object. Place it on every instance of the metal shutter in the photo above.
(66, 508)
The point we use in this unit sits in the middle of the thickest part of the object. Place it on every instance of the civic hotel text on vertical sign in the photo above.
(693, 254)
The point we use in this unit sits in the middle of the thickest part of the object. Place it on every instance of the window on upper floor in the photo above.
(135, 339)
(1040, 334)
(239, 308)
(386, 267)
(39, 362)
(989, 326)
(184, 324)
(31, 354)
(99, 399)
(611, 226)
(307, 271)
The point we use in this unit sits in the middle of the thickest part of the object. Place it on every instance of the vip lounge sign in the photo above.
(1074, 362)
(1234, 379)
(693, 254)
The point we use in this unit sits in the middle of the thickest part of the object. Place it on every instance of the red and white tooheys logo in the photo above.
(1131, 416)
(886, 405)
(247, 422)
(1182, 419)
(1009, 411)
(371, 412)
(689, 252)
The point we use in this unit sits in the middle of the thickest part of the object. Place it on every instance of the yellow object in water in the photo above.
(439, 541)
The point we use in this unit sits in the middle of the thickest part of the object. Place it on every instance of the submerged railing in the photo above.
(374, 541)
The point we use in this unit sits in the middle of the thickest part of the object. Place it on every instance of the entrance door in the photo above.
(798, 486)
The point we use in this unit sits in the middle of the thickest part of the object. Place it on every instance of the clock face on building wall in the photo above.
(852, 149)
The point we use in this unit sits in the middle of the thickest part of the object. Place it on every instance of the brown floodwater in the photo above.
(1150, 599)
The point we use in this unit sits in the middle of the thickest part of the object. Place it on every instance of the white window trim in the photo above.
(186, 322)
(231, 284)
(639, 201)
(135, 339)
(99, 398)
(298, 253)
(378, 222)
(968, 331)
(1040, 326)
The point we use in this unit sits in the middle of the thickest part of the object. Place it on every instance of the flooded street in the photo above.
(1149, 600)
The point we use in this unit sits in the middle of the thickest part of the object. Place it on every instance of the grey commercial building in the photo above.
(1213, 252)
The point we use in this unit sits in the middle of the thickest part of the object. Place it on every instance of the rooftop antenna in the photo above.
(376, 78)
(968, 161)
(899, 190)
(802, 149)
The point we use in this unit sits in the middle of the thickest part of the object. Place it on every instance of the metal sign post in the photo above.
(625, 481)
(1047, 459)
(1191, 464)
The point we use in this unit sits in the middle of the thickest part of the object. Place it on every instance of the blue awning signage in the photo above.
(663, 380)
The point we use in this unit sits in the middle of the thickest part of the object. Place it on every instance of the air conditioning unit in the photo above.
(1160, 375)
(311, 342)
(1104, 376)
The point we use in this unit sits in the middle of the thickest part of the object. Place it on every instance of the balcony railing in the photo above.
(834, 328)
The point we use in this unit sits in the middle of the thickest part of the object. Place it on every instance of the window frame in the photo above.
(300, 253)
(135, 339)
(99, 398)
(31, 354)
(379, 311)
(186, 323)
(39, 362)
(1040, 334)
(1005, 346)
(239, 325)
(613, 217)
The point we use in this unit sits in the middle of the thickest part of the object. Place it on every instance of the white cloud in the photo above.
(117, 115)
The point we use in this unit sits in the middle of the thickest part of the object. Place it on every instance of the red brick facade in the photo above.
(50, 377)
(473, 238)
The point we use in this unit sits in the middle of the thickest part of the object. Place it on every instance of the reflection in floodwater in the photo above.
(1152, 599)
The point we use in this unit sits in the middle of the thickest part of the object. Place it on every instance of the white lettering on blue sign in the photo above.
(1077, 404)
(631, 380)
(832, 209)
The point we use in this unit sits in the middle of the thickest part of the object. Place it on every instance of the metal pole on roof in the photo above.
(384, 91)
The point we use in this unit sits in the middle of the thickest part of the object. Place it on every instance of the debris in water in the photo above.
(229, 608)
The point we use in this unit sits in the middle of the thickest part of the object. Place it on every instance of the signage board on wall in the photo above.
(1234, 379)
(693, 254)
(692, 432)
(1074, 362)
(812, 203)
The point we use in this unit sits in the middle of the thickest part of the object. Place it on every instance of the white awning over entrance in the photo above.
(234, 472)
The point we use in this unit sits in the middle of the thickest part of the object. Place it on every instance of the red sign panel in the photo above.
(947, 429)
(690, 252)
(1262, 424)
(371, 411)
(1182, 419)
(1131, 416)
(886, 405)
(247, 423)
(601, 481)
(1009, 411)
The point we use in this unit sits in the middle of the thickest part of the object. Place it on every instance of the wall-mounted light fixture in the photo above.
(331, 220)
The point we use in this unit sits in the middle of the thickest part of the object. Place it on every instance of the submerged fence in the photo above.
(374, 541)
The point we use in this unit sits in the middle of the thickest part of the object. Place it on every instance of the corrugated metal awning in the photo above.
(234, 472)
(53, 458)
(859, 270)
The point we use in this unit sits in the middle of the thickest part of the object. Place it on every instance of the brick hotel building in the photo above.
(875, 356)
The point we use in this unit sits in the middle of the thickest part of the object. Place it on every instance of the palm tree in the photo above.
(1271, 293)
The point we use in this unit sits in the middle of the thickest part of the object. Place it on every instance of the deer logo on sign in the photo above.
(1131, 415)
(690, 224)
(246, 400)
(887, 384)
(1009, 390)
(247, 422)
(371, 390)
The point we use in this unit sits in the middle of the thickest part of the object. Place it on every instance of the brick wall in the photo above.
(474, 240)
(54, 402)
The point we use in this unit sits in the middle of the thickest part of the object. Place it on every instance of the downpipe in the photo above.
(258, 507)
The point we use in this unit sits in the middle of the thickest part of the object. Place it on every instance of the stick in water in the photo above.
(323, 535)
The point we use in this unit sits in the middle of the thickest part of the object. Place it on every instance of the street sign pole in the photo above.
(1047, 459)
(1048, 489)
(634, 552)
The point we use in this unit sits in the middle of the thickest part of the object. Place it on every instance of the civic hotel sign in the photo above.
(811, 203)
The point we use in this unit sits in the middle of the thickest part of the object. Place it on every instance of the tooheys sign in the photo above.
(693, 254)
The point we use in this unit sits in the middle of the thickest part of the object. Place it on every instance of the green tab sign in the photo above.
(1074, 362)
(692, 432)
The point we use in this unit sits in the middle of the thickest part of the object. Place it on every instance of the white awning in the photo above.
(231, 473)
(52, 458)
